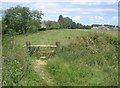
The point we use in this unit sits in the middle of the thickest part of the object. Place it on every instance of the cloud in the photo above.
(79, 13)
(57, 7)
(103, 20)
(34, 1)
(48, 8)
(93, 2)
(87, 10)
(104, 10)
(77, 18)
(98, 18)
(108, 23)
(115, 18)
(72, 1)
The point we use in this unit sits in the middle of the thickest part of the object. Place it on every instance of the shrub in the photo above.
(15, 63)
(88, 60)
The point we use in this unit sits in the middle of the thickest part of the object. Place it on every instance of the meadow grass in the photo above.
(88, 58)
(64, 36)
(87, 61)
(17, 67)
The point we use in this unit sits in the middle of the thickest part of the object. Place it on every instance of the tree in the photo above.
(79, 26)
(60, 20)
(65, 22)
(16, 19)
(36, 15)
(0, 23)
(19, 19)
(52, 25)
(43, 27)
(95, 25)
(87, 27)
(73, 25)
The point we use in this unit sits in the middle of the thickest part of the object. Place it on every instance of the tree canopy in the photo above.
(52, 25)
(68, 23)
(65, 22)
(20, 20)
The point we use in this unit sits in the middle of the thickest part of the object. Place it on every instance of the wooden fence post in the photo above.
(57, 44)
(28, 46)
(62, 48)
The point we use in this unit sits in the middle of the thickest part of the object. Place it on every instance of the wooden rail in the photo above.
(29, 45)
(55, 46)
(49, 46)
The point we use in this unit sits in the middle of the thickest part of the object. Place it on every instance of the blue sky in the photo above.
(82, 11)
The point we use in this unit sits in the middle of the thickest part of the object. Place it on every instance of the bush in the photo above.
(52, 25)
(19, 19)
(89, 60)
(17, 66)
(15, 63)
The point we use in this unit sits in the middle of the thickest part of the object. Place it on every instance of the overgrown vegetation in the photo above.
(17, 69)
(86, 57)
(21, 20)
(89, 60)
(52, 25)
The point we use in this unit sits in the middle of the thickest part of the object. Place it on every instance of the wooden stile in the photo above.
(30, 46)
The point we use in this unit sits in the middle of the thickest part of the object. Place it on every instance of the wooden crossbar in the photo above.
(49, 46)
(29, 46)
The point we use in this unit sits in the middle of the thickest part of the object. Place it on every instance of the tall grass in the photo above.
(17, 69)
(90, 60)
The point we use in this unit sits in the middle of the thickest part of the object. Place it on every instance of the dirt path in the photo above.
(39, 68)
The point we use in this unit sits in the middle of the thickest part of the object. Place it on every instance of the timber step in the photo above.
(42, 57)
(45, 52)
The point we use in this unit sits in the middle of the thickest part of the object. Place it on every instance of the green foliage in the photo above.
(89, 60)
(17, 69)
(38, 52)
(33, 26)
(43, 25)
(20, 20)
(65, 22)
(36, 15)
(73, 25)
(87, 27)
(79, 26)
(0, 29)
(52, 25)
(15, 18)
(60, 20)
(95, 25)
(15, 63)
(89, 57)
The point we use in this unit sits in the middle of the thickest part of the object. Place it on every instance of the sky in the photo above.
(86, 12)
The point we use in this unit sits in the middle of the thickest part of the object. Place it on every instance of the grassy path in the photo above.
(39, 68)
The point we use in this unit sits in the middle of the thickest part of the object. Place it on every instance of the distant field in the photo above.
(63, 36)
(89, 57)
